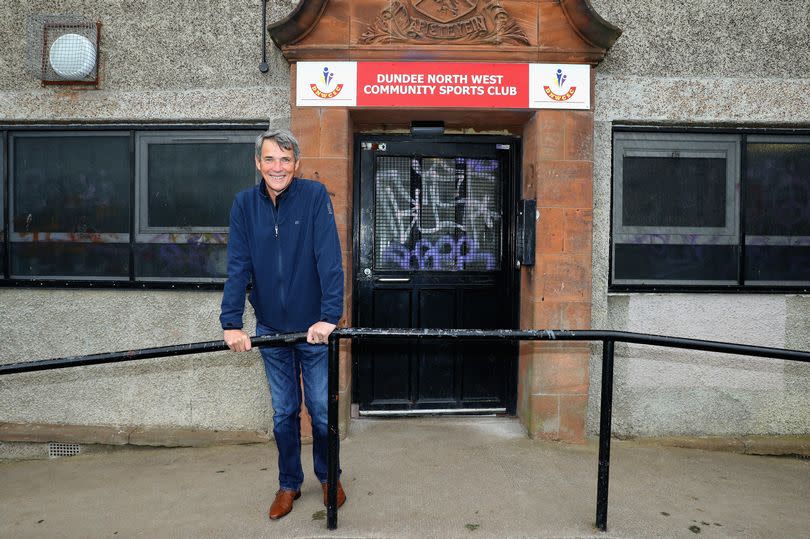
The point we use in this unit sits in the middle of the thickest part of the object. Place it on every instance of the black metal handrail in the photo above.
(608, 339)
(144, 353)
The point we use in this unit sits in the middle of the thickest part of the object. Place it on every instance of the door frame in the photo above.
(510, 207)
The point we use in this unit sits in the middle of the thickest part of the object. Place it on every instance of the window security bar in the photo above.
(608, 339)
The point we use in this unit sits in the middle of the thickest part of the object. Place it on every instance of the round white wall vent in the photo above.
(72, 56)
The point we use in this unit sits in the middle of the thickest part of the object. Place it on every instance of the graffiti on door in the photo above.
(439, 214)
(445, 252)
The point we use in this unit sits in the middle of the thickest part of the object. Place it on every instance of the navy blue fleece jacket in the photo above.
(296, 272)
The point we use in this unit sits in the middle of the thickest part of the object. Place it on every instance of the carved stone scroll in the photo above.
(468, 22)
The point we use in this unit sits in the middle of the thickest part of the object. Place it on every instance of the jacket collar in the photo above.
(289, 191)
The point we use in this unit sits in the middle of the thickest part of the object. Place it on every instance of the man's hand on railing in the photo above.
(237, 340)
(318, 332)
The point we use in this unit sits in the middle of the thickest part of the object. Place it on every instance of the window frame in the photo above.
(144, 233)
(60, 237)
(745, 135)
(750, 239)
(5, 263)
(248, 129)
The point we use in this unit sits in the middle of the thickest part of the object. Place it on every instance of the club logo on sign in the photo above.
(560, 87)
(324, 87)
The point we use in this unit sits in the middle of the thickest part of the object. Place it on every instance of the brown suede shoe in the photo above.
(283, 503)
(341, 496)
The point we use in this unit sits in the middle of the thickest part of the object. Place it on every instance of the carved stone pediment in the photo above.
(556, 31)
(478, 22)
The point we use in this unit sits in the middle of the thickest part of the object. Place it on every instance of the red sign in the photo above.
(422, 84)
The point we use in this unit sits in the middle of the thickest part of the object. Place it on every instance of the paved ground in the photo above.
(442, 478)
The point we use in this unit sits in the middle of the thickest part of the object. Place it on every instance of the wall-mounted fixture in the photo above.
(263, 67)
(527, 215)
(427, 127)
(64, 49)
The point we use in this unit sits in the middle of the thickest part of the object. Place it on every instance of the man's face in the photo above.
(277, 167)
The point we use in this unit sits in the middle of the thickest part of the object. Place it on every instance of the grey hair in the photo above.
(282, 137)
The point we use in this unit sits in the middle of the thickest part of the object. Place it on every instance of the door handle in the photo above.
(393, 279)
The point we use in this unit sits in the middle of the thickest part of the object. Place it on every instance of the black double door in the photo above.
(435, 250)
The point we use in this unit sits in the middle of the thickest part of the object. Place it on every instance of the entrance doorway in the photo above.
(435, 249)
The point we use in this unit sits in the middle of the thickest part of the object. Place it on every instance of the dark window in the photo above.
(174, 261)
(777, 210)
(3, 153)
(186, 184)
(675, 263)
(188, 181)
(79, 209)
(674, 191)
(69, 205)
(678, 215)
(70, 183)
(70, 260)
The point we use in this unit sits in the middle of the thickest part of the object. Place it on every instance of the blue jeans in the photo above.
(284, 366)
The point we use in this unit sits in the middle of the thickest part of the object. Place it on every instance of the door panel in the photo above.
(437, 359)
(388, 367)
(483, 309)
(434, 250)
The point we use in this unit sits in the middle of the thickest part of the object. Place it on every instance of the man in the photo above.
(283, 241)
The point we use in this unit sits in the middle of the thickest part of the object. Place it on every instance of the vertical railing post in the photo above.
(334, 434)
(604, 435)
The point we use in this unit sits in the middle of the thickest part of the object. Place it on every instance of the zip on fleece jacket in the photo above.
(289, 252)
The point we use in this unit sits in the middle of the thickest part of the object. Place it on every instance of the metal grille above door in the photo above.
(435, 251)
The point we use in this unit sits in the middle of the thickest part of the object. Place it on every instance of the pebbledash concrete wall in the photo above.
(161, 61)
(212, 391)
(706, 63)
(183, 60)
